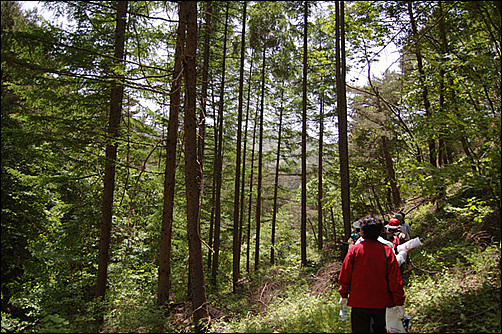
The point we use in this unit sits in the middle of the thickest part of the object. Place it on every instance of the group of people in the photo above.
(395, 232)
(370, 278)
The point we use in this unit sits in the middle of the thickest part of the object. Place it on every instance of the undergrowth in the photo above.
(294, 309)
(460, 299)
(298, 313)
(452, 286)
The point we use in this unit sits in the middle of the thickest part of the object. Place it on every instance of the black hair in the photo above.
(372, 227)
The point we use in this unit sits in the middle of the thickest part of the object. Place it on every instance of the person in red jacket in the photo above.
(370, 280)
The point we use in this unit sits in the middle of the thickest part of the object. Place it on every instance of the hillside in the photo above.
(452, 286)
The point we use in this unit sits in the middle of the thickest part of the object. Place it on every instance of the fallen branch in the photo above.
(424, 270)
(261, 294)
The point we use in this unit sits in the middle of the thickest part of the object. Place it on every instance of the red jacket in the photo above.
(370, 276)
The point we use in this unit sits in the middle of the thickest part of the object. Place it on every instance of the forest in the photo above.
(197, 166)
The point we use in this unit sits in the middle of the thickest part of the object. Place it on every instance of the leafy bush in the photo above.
(458, 299)
(136, 315)
(11, 324)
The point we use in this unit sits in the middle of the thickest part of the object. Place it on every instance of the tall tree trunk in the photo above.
(117, 93)
(303, 228)
(196, 270)
(333, 224)
(276, 180)
(342, 120)
(203, 109)
(251, 192)
(425, 93)
(164, 283)
(391, 174)
(444, 153)
(319, 178)
(205, 80)
(244, 167)
(236, 241)
(260, 166)
(219, 161)
(213, 188)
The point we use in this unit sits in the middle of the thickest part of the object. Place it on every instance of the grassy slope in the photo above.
(453, 285)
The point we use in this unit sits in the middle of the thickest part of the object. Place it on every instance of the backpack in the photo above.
(396, 236)
(401, 237)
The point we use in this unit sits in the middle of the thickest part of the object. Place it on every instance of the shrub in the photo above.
(459, 299)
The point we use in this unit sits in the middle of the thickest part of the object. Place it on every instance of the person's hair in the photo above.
(372, 227)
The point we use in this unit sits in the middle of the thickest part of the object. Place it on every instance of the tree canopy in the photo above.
(149, 147)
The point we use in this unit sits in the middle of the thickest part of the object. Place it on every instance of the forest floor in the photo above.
(258, 296)
(452, 285)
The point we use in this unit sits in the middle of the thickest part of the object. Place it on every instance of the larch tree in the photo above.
(236, 229)
(188, 11)
(164, 282)
(276, 179)
(342, 119)
(218, 161)
(263, 25)
(259, 186)
(319, 176)
(303, 229)
(422, 79)
(250, 206)
(117, 92)
(203, 103)
(243, 178)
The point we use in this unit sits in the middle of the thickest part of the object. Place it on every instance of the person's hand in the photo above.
(399, 311)
(343, 302)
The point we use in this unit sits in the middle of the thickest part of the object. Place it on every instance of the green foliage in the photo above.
(287, 306)
(132, 300)
(475, 210)
(53, 323)
(298, 313)
(11, 324)
(460, 298)
(455, 284)
(55, 93)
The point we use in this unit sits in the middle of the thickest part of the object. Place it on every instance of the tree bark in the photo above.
(164, 283)
(342, 121)
(219, 162)
(303, 228)
(319, 178)
(260, 166)
(236, 240)
(276, 181)
(117, 93)
(196, 270)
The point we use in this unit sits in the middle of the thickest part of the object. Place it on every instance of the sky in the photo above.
(388, 61)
